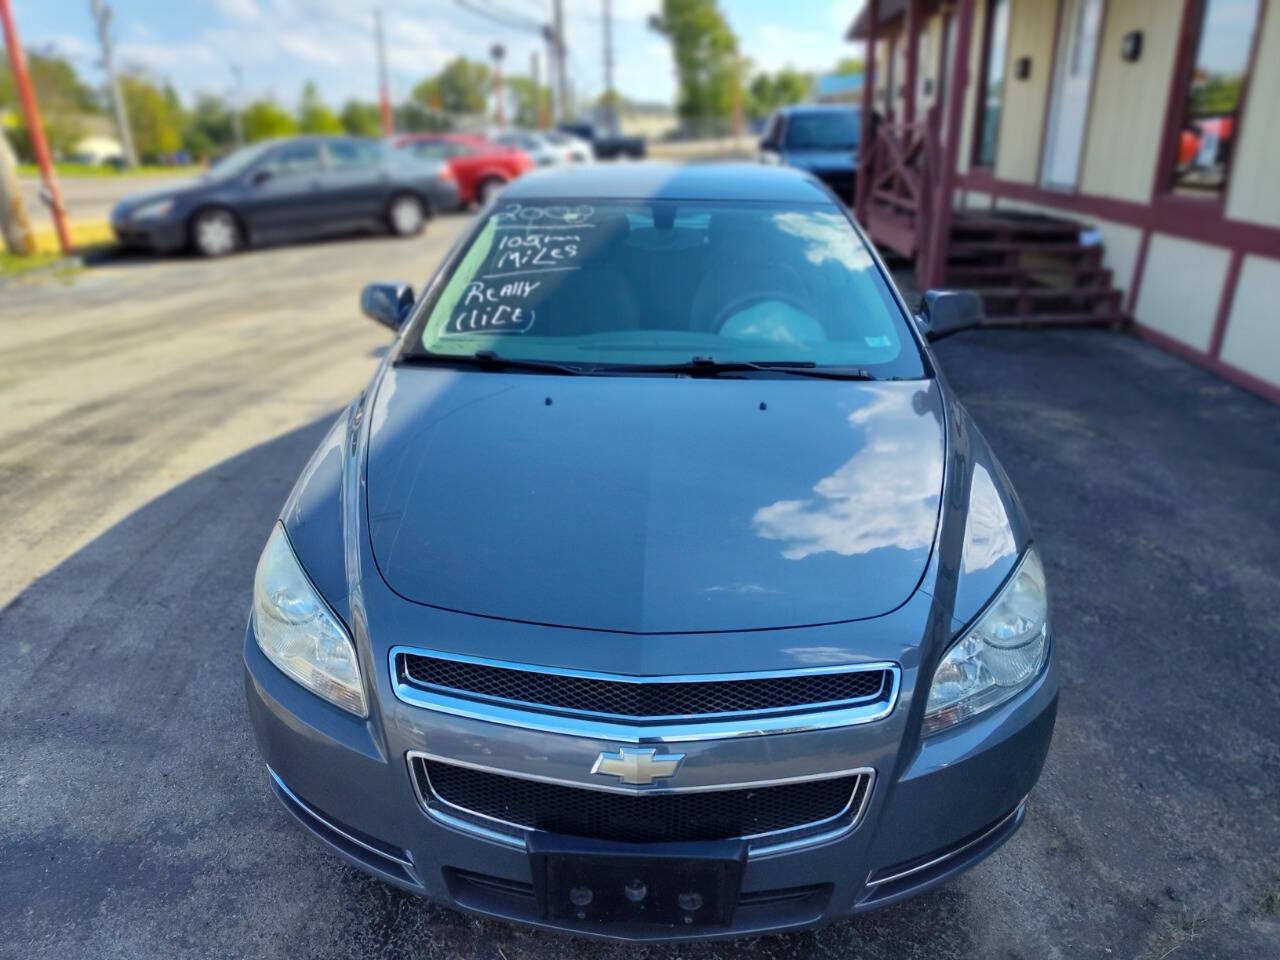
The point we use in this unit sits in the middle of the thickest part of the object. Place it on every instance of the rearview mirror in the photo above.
(944, 312)
(388, 303)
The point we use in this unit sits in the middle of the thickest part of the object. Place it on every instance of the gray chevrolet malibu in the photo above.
(657, 587)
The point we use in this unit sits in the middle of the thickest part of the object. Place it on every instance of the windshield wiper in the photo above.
(489, 360)
(709, 366)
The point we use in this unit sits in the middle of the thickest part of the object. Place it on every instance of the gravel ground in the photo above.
(157, 413)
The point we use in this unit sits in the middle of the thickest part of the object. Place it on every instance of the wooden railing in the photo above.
(901, 175)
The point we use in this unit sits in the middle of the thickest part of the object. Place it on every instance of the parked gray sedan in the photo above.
(289, 189)
(657, 586)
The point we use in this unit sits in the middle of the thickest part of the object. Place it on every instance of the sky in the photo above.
(278, 45)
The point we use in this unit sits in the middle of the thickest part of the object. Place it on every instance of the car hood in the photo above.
(175, 190)
(819, 161)
(653, 504)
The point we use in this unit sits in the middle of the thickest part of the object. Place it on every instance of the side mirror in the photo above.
(944, 312)
(260, 176)
(388, 303)
(768, 144)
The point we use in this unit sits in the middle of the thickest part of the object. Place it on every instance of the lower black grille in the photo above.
(645, 699)
(642, 818)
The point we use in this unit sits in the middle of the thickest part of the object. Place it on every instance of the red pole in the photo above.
(867, 145)
(913, 58)
(940, 229)
(35, 126)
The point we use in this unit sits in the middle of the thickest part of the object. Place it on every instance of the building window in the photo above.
(992, 93)
(1209, 111)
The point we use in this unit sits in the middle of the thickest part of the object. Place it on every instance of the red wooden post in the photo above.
(35, 126)
(957, 84)
(867, 146)
(913, 61)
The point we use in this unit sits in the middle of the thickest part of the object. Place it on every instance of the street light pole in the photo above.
(611, 95)
(237, 129)
(102, 19)
(562, 86)
(498, 51)
(35, 126)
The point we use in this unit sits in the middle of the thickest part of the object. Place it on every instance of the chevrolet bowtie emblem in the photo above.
(637, 766)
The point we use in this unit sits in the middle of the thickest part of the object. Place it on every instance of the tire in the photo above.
(487, 189)
(406, 215)
(215, 232)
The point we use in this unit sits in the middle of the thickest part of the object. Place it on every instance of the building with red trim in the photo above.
(1115, 159)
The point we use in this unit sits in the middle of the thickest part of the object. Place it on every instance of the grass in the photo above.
(89, 170)
(12, 266)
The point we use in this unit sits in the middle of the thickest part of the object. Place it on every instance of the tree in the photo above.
(155, 116)
(850, 65)
(263, 119)
(361, 119)
(531, 103)
(705, 52)
(414, 117)
(314, 116)
(210, 129)
(766, 93)
(461, 87)
(64, 101)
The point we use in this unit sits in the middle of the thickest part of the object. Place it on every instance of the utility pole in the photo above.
(498, 51)
(237, 130)
(102, 19)
(535, 74)
(549, 35)
(384, 88)
(610, 94)
(562, 86)
(35, 126)
(15, 227)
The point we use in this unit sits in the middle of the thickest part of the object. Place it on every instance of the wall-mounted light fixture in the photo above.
(1131, 46)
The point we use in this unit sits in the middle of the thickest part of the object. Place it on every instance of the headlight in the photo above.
(998, 656)
(153, 210)
(298, 633)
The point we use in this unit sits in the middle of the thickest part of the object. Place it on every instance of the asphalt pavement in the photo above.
(156, 413)
(88, 198)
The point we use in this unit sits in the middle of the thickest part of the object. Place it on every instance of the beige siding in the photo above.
(1252, 340)
(929, 66)
(976, 199)
(1022, 116)
(1254, 190)
(1127, 116)
(975, 81)
(1181, 287)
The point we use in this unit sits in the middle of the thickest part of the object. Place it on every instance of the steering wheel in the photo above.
(748, 300)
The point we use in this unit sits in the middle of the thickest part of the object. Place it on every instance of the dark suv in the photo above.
(820, 139)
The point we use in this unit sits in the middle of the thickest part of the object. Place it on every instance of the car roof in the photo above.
(665, 181)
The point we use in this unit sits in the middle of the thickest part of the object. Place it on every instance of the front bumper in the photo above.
(164, 235)
(931, 814)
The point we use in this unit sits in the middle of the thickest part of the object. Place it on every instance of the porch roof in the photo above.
(892, 12)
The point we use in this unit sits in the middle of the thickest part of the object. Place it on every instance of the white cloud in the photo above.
(315, 49)
(242, 10)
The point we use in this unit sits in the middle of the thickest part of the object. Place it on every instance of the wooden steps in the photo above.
(1032, 270)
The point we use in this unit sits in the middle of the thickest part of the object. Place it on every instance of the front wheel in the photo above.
(405, 215)
(215, 233)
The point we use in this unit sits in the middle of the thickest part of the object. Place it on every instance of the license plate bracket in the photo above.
(679, 885)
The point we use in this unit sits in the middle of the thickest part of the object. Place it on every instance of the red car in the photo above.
(480, 166)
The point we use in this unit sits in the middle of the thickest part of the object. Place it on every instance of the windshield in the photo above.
(663, 283)
(829, 130)
(238, 161)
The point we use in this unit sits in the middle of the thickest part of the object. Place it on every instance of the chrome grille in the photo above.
(645, 699)
(524, 804)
